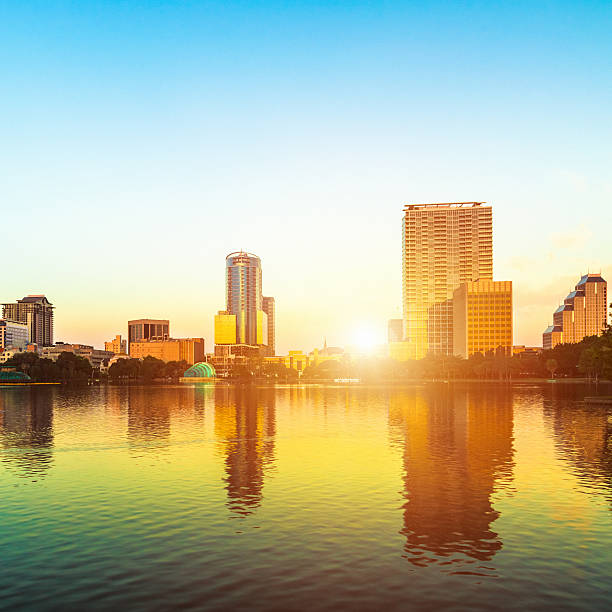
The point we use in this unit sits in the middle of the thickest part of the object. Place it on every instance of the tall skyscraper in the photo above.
(584, 312)
(444, 245)
(37, 313)
(269, 307)
(243, 294)
(244, 320)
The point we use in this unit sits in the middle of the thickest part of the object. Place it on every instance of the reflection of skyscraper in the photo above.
(444, 245)
(26, 429)
(457, 449)
(245, 426)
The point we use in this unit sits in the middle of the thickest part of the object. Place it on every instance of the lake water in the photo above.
(305, 498)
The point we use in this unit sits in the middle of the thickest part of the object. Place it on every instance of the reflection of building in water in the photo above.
(26, 430)
(150, 411)
(245, 429)
(149, 416)
(583, 437)
(457, 449)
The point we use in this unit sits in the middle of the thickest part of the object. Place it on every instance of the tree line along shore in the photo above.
(590, 359)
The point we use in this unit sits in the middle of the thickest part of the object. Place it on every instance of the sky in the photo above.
(141, 142)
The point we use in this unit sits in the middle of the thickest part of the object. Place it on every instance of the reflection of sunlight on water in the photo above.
(189, 494)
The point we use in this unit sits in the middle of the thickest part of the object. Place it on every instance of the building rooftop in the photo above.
(590, 278)
(444, 204)
(552, 328)
(32, 299)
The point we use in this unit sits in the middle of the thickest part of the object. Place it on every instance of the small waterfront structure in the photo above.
(199, 372)
(10, 376)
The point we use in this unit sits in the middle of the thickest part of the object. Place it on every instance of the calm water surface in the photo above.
(301, 498)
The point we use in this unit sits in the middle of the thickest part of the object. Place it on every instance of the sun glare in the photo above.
(366, 340)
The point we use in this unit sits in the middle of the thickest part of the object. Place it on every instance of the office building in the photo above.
(190, 350)
(244, 320)
(526, 351)
(13, 335)
(225, 328)
(243, 294)
(395, 330)
(295, 360)
(116, 346)
(444, 245)
(269, 307)
(583, 313)
(482, 318)
(37, 313)
(95, 357)
(141, 330)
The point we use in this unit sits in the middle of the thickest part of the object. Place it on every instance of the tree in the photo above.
(552, 366)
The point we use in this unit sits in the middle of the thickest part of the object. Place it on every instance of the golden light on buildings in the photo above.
(444, 245)
(482, 318)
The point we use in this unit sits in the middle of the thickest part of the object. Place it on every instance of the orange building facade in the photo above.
(482, 318)
(190, 350)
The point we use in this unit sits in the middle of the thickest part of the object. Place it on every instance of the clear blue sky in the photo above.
(141, 142)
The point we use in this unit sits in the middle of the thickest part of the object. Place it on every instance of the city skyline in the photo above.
(364, 337)
(393, 104)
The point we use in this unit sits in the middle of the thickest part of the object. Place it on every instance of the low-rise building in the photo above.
(401, 351)
(527, 351)
(190, 350)
(395, 330)
(296, 360)
(13, 334)
(8, 354)
(117, 346)
(95, 357)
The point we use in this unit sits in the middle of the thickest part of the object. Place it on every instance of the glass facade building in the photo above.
(243, 294)
(482, 318)
(13, 335)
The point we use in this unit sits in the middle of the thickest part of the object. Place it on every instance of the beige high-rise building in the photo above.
(444, 245)
(583, 313)
(482, 318)
(37, 313)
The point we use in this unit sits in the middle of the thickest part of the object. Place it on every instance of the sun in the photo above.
(366, 340)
